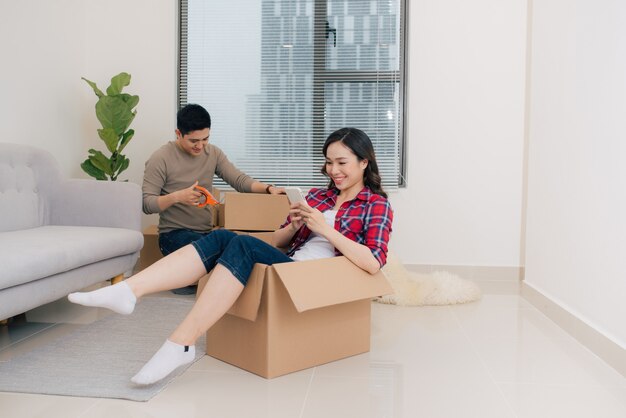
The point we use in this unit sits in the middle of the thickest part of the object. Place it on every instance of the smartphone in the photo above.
(294, 194)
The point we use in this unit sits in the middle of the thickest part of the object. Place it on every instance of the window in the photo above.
(277, 76)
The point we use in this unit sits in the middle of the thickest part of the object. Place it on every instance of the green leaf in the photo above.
(100, 161)
(125, 164)
(118, 83)
(128, 135)
(93, 171)
(110, 138)
(131, 101)
(113, 112)
(94, 87)
(119, 162)
(116, 162)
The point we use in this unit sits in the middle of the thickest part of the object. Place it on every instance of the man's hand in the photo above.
(277, 190)
(189, 196)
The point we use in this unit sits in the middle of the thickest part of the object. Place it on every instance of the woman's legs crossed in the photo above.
(244, 251)
(219, 294)
(174, 240)
(226, 283)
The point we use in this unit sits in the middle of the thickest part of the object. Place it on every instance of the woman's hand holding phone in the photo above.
(296, 198)
(294, 194)
(313, 218)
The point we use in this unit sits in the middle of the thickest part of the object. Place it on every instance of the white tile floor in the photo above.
(498, 357)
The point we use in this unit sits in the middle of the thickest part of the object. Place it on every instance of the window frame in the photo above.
(321, 75)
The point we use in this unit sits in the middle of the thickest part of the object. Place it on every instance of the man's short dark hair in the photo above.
(192, 117)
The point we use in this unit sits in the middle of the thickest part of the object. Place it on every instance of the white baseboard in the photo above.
(600, 345)
(478, 273)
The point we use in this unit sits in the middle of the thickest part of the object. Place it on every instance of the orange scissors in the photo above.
(208, 197)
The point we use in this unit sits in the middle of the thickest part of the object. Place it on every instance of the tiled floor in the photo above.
(498, 357)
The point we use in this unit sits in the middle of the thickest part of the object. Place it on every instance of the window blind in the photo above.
(278, 76)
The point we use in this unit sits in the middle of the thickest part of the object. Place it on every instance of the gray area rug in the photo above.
(97, 360)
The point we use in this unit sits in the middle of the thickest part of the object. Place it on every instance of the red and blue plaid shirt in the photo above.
(366, 219)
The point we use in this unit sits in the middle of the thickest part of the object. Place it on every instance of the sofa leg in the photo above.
(117, 279)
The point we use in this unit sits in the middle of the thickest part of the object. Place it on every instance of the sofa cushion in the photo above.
(36, 253)
(27, 174)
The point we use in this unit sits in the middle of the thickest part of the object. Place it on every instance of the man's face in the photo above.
(193, 143)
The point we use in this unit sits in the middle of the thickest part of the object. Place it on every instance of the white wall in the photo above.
(141, 40)
(48, 46)
(465, 132)
(577, 176)
(465, 108)
(42, 49)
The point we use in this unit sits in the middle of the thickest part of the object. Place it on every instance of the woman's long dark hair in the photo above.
(361, 146)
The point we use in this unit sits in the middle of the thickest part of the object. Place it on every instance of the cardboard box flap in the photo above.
(329, 281)
(247, 304)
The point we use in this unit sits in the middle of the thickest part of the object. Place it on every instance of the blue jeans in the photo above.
(238, 253)
(178, 238)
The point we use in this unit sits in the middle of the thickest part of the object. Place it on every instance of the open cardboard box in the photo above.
(293, 316)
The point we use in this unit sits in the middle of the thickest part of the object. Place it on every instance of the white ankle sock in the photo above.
(118, 298)
(169, 357)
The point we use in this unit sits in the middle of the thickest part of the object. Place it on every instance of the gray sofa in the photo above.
(57, 235)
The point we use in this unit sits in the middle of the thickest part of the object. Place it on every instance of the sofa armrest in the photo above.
(96, 203)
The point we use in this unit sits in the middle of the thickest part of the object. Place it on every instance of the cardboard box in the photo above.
(150, 251)
(293, 316)
(252, 211)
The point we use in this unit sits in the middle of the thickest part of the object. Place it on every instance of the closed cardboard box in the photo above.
(150, 251)
(252, 211)
(293, 316)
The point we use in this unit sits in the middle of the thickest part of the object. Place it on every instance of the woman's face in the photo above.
(344, 168)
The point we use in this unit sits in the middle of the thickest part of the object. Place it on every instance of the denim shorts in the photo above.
(238, 253)
(178, 238)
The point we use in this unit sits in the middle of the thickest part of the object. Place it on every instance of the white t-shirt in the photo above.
(317, 246)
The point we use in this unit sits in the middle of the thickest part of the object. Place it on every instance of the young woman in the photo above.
(350, 217)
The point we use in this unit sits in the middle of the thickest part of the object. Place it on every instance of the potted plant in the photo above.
(115, 112)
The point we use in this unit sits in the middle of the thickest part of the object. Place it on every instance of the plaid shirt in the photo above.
(366, 219)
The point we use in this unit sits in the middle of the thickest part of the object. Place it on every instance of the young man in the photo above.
(172, 172)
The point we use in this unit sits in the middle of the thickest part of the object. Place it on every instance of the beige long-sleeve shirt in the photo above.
(170, 169)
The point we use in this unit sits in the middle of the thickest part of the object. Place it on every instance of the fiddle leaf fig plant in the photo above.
(115, 112)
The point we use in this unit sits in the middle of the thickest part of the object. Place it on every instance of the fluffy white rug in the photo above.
(416, 289)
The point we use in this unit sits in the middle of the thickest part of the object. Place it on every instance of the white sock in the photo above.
(118, 298)
(169, 357)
